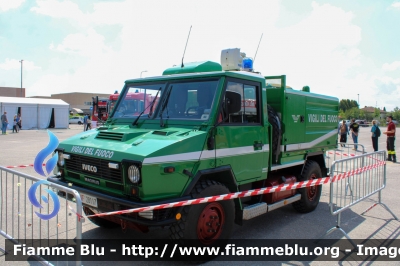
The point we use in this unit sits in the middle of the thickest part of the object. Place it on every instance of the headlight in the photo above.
(60, 161)
(134, 174)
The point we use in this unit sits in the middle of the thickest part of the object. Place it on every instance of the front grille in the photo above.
(76, 161)
(74, 175)
(110, 135)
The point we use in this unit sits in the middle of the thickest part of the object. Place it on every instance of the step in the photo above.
(261, 208)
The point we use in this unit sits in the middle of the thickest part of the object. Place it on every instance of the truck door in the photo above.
(241, 139)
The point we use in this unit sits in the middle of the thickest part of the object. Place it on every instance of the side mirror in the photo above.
(233, 102)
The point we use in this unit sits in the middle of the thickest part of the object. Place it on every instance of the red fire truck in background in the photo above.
(111, 101)
(102, 107)
(99, 109)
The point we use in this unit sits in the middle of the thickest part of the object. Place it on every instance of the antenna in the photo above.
(257, 48)
(186, 45)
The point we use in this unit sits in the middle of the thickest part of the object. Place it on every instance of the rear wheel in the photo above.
(310, 195)
(79, 123)
(206, 222)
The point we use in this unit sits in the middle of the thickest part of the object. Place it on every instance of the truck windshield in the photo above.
(188, 100)
(138, 98)
(175, 100)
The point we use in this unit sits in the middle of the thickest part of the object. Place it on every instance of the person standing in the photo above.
(4, 123)
(19, 122)
(343, 130)
(85, 118)
(15, 125)
(391, 137)
(375, 136)
(88, 123)
(354, 128)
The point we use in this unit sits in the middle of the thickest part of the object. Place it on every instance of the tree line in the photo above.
(349, 109)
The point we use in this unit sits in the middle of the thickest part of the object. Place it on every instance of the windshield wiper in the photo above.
(151, 109)
(164, 105)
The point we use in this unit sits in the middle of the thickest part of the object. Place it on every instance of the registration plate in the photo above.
(89, 200)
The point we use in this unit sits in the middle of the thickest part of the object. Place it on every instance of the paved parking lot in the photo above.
(21, 149)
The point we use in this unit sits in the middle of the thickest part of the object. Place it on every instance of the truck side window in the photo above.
(249, 112)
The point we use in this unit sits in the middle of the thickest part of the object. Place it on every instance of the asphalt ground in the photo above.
(284, 223)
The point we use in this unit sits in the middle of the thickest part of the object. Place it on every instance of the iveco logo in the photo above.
(89, 168)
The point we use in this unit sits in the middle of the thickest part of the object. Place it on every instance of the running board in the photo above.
(283, 202)
(261, 208)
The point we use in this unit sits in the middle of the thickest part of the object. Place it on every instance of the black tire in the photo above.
(79, 123)
(99, 221)
(198, 217)
(309, 196)
(274, 120)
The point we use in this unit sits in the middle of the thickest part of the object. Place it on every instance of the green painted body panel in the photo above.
(206, 66)
(182, 143)
(309, 121)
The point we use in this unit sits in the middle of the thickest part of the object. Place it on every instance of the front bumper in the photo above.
(107, 203)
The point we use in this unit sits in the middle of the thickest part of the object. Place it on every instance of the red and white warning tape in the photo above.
(253, 192)
(22, 166)
(344, 154)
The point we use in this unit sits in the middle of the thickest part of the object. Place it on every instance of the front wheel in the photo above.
(206, 223)
(309, 195)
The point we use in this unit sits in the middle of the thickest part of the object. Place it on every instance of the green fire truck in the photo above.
(201, 129)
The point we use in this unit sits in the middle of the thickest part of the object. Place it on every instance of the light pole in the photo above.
(21, 75)
(142, 72)
(358, 100)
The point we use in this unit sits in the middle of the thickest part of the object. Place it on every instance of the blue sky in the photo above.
(346, 49)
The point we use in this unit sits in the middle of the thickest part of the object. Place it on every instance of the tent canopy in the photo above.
(36, 112)
(77, 110)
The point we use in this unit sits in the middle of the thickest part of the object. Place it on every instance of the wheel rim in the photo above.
(209, 226)
(312, 191)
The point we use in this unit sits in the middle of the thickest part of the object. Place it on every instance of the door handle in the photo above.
(258, 145)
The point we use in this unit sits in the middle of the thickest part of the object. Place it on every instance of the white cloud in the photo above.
(396, 5)
(392, 66)
(6, 5)
(45, 85)
(11, 64)
(321, 50)
(60, 9)
(90, 44)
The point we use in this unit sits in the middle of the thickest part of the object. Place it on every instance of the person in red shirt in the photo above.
(391, 137)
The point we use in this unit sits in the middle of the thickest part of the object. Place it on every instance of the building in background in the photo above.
(12, 92)
(370, 110)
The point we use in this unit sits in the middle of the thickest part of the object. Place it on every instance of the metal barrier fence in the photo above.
(354, 179)
(344, 150)
(19, 219)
